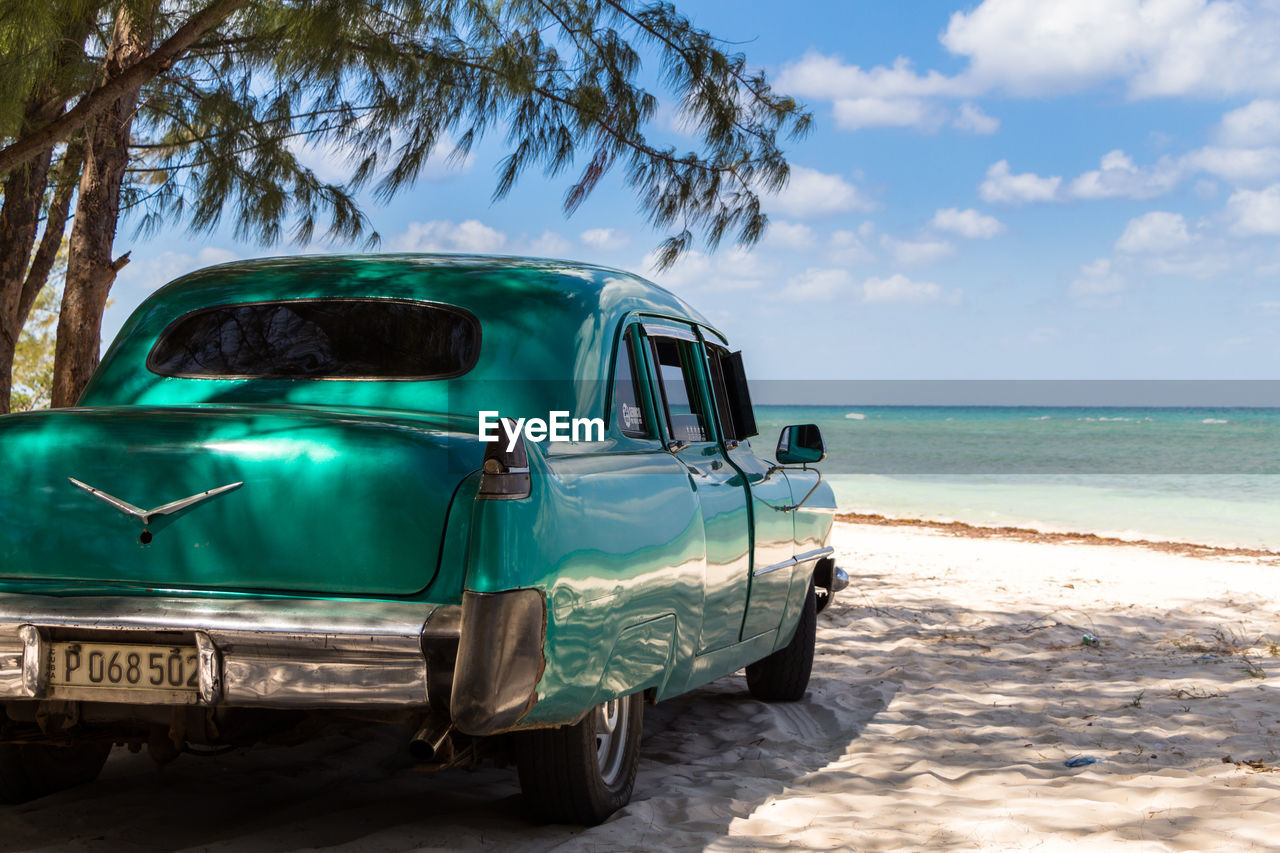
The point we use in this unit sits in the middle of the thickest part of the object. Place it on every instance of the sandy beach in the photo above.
(955, 679)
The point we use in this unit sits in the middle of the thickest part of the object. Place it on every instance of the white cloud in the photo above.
(1157, 47)
(735, 269)
(1001, 185)
(857, 113)
(692, 268)
(1097, 278)
(442, 235)
(741, 263)
(974, 120)
(1205, 189)
(789, 235)
(1255, 211)
(1237, 165)
(820, 76)
(605, 239)
(1190, 265)
(848, 249)
(151, 273)
(813, 193)
(967, 223)
(211, 255)
(1255, 124)
(899, 288)
(1155, 232)
(549, 244)
(1118, 177)
(817, 285)
(1031, 48)
(917, 252)
(894, 96)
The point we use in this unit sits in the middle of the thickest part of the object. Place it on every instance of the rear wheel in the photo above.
(784, 675)
(585, 772)
(31, 770)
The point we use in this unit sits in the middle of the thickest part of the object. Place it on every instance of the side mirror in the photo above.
(800, 444)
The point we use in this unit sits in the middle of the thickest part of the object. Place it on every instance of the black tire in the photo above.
(784, 675)
(582, 773)
(31, 770)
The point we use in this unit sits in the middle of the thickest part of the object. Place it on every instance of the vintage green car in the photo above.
(501, 501)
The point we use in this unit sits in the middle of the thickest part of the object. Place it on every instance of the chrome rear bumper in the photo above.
(253, 652)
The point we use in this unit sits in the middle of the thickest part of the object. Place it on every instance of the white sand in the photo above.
(950, 688)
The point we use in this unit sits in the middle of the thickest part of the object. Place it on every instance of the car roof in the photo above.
(541, 319)
(434, 277)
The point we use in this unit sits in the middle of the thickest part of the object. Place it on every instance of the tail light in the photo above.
(504, 476)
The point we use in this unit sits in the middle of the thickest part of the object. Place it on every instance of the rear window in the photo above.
(319, 339)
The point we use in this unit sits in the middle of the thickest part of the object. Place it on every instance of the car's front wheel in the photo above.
(784, 675)
(585, 772)
(31, 770)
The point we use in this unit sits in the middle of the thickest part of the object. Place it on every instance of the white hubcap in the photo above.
(611, 723)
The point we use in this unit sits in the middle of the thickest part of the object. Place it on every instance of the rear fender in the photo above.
(577, 541)
(451, 576)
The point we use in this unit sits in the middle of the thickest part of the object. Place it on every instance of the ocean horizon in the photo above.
(1206, 475)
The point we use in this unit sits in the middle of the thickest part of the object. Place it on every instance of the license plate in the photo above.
(125, 666)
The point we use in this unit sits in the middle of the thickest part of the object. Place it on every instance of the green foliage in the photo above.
(33, 357)
(33, 52)
(390, 81)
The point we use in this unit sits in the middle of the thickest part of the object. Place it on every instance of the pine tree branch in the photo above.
(99, 99)
(679, 48)
(763, 96)
(235, 152)
(599, 121)
(224, 131)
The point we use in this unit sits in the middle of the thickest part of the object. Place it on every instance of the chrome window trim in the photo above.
(661, 330)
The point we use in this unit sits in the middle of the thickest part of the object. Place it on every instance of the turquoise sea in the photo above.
(1205, 475)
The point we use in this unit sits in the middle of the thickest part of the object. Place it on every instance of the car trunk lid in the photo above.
(331, 503)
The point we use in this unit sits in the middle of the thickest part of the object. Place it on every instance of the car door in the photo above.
(773, 523)
(686, 413)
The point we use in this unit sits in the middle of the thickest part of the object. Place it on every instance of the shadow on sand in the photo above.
(356, 788)
(917, 706)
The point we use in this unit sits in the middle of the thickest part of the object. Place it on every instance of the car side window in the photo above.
(628, 409)
(733, 395)
(675, 361)
(715, 367)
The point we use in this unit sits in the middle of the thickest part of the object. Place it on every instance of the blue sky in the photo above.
(1014, 189)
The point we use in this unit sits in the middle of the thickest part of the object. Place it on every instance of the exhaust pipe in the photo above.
(432, 743)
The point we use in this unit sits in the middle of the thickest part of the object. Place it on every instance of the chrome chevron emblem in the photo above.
(145, 515)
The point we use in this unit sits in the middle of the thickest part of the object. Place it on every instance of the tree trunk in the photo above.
(55, 228)
(90, 268)
(24, 191)
(19, 219)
